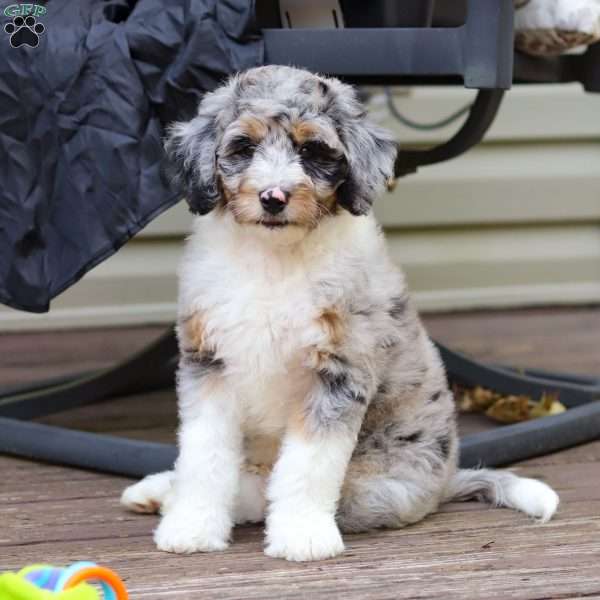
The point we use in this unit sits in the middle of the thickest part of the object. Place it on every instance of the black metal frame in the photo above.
(147, 370)
(478, 53)
(582, 68)
(480, 117)
(153, 368)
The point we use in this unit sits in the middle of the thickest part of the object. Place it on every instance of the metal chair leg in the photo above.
(573, 390)
(133, 458)
(98, 452)
(508, 444)
(481, 116)
(153, 368)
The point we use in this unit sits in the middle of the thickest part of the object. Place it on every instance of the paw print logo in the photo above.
(24, 31)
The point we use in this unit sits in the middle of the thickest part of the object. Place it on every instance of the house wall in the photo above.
(514, 222)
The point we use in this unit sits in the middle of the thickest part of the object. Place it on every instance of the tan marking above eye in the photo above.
(254, 128)
(303, 131)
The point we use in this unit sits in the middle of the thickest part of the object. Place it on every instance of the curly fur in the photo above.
(309, 391)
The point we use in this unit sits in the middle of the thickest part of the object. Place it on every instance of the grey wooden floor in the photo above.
(59, 515)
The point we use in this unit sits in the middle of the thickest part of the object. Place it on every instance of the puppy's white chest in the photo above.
(262, 310)
(266, 349)
(267, 329)
(262, 324)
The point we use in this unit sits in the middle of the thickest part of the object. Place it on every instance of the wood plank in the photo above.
(26, 357)
(550, 338)
(467, 550)
(441, 551)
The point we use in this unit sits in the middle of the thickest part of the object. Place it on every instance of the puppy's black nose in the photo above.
(274, 200)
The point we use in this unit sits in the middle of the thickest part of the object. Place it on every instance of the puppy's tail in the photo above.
(502, 488)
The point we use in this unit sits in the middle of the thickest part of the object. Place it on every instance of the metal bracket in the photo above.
(583, 68)
(481, 116)
(480, 52)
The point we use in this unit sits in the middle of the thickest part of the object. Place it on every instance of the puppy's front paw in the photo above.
(182, 532)
(314, 537)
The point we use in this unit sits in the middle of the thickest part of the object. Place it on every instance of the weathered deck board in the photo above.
(55, 514)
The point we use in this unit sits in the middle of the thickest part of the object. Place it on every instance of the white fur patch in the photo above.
(566, 15)
(149, 494)
(303, 492)
(251, 503)
(504, 488)
(302, 537)
(532, 497)
(184, 529)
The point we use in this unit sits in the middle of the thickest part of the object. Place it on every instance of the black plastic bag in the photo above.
(81, 120)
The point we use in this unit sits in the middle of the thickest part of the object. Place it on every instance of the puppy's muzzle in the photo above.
(274, 200)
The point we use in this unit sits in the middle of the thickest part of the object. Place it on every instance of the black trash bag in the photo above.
(81, 120)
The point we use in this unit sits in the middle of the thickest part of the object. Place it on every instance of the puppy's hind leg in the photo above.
(383, 501)
(148, 496)
(251, 501)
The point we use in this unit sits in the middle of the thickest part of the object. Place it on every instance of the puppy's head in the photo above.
(280, 148)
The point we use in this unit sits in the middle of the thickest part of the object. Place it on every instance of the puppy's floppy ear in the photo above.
(370, 152)
(191, 150)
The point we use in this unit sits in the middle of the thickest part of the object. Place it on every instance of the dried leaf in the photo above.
(510, 409)
(476, 400)
(548, 405)
(506, 409)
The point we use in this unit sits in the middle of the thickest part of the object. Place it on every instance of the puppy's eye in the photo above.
(316, 150)
(242, 147)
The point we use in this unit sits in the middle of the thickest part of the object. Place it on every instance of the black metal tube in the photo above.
(501, 446)
(146, 370)
(465, 370)
(480, 51)
(482, 114)
(508, 444)
(99, 452)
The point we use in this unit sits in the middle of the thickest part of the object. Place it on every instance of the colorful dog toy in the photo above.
(44, 582)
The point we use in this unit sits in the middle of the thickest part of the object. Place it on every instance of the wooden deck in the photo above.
(59, 515)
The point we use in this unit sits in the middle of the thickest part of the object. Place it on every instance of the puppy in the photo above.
(310, 396)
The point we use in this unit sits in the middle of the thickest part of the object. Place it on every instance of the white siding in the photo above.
(514, 222)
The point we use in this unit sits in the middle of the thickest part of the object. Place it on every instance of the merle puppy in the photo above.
(310, 395)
